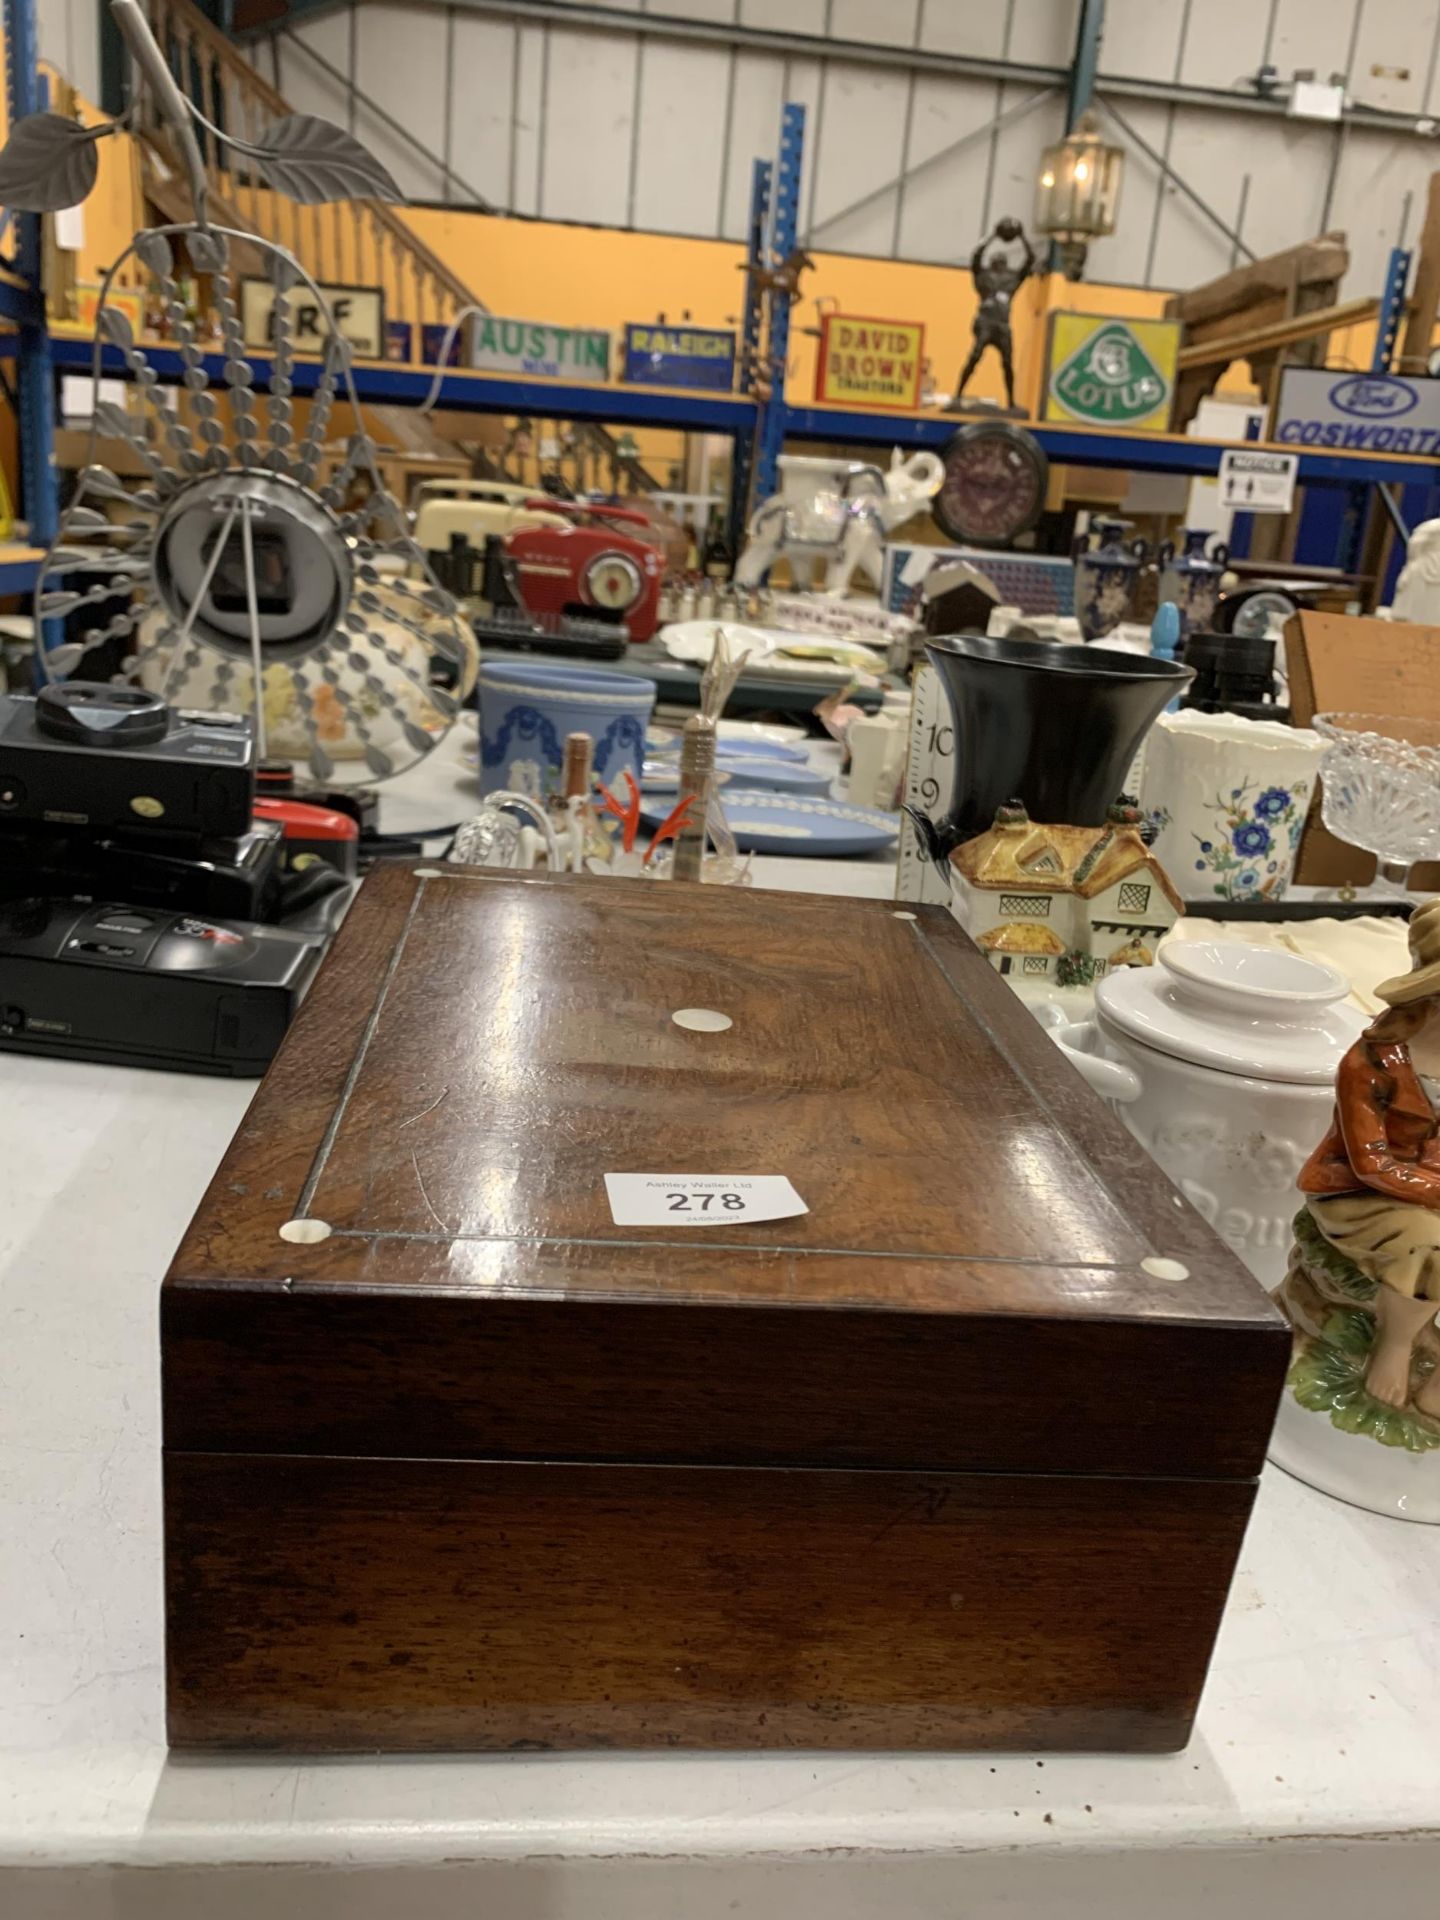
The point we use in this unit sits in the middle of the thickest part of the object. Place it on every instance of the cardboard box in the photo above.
(1339, 663)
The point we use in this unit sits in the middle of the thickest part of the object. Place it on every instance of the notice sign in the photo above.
(535, 346)
(1252, 481)
(869, 363)
(1363, 412)
(358, 314)
(685, 1200)
(679, 357)
(1110, 373)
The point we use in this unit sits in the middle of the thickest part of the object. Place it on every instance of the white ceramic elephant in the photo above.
(1417, 591)
(840, 510)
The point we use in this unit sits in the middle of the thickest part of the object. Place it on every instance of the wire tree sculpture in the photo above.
(243, 580)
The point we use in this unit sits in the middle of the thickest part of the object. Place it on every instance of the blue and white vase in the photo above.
(528, 707)
(1105, 576)
(1194, 580)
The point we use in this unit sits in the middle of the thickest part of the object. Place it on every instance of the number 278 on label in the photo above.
(696, 1199)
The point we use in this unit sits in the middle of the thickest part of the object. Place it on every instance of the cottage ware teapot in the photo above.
(1221, 1059)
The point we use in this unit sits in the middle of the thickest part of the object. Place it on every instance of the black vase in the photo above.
(1056, 727)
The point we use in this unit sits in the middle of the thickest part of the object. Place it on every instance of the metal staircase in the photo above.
(356, 243)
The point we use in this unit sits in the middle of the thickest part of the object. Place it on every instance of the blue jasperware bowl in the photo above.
(528, 707)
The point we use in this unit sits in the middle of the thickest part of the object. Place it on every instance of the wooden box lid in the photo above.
(967, 1291)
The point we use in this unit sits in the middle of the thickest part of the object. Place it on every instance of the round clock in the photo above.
(613, 581)
(994, 485)
(1256, 614)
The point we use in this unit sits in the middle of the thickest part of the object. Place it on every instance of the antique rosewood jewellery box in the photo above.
(960, 1457)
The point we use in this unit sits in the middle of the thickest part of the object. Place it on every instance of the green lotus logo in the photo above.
(1110, 379)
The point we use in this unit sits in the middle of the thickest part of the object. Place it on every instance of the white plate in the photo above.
(778, 733)
(693, 641)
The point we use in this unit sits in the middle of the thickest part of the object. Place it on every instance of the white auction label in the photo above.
(699, 1199)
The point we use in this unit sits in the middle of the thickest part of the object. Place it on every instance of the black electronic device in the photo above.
(501, 619)
(1234, 673)
(551, 633)
(86, 754)
(143, 987)
(238, 878)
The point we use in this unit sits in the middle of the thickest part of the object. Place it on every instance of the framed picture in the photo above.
(358, 313)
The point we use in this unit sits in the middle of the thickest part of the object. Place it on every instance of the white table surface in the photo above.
(1312, 1782)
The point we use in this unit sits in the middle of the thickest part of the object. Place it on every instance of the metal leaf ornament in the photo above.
(313, 160)
(48, 163)
(208, 252)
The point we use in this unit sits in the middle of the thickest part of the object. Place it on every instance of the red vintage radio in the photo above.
(590, 567)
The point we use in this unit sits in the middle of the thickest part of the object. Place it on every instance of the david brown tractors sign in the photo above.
(1110, 373)
(869, 363)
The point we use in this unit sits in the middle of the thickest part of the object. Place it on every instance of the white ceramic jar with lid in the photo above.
(1221, 1060)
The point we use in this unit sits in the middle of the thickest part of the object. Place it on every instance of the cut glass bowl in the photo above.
(1381, 787)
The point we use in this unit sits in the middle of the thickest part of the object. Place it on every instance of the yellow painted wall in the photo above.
(599, 277)
(114, 208)
(535, 269)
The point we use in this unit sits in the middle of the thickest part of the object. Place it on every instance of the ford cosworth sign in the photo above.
(1358, 412)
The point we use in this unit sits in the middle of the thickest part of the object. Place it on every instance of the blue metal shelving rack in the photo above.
(1337, 523)
(759, 430)
(783, 239)
(380, 383)
(736, 414)
(22, 306)
(751, 331)
(1392, 309)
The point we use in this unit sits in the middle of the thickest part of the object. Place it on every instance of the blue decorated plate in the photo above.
(745, 770)
(666, 740)
(754, 749)
(791, 823)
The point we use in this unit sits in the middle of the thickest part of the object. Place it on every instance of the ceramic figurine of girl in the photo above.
(1372, 1186)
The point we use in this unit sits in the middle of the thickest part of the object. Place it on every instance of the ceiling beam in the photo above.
(249, 20)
